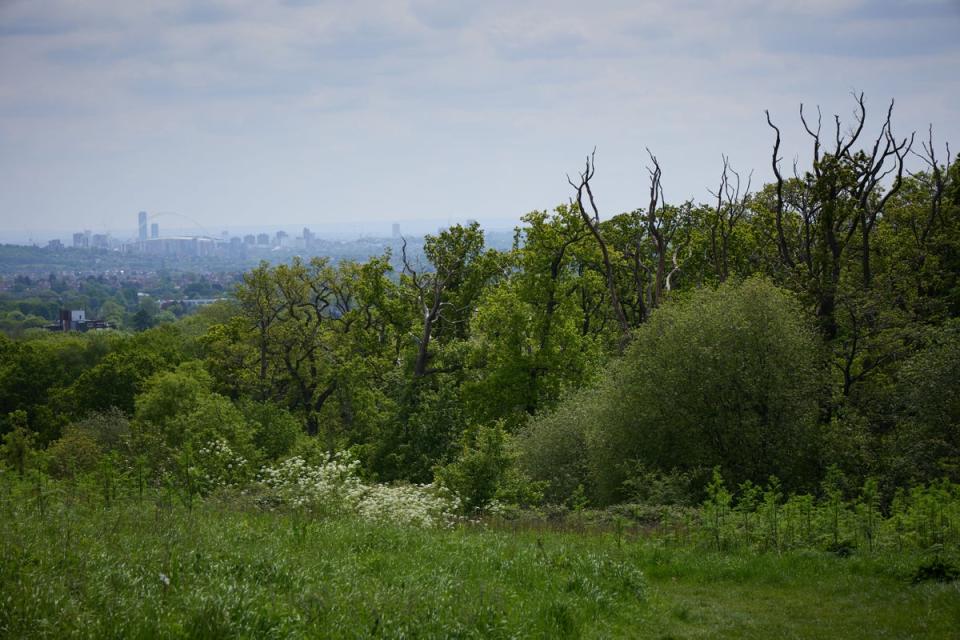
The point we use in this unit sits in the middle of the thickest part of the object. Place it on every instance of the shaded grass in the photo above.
(141, 571)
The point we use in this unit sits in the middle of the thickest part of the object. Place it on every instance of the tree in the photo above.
(650, 242)
(444, 295)
(592, 221)
(732, 204)
(817, 215)
(314, 332)
(142, 320)
(528, 341)
(18, 442)
(923, 442)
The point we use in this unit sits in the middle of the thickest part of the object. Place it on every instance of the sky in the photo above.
(349, 116)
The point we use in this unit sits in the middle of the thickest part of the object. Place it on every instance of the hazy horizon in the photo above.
(377, 229)
(353, 115)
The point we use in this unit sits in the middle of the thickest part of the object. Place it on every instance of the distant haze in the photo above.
(349, 116)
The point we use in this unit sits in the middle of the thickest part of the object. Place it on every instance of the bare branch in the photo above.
(778, 212)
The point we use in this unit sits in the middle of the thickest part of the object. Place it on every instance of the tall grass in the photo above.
(77, 560)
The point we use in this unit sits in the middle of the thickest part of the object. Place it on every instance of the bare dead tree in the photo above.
(840, 195)
(779, 211)
(921, 232)
(592, 220)
(731, 207)
(872, 169)
(635, 252)
(662, 229)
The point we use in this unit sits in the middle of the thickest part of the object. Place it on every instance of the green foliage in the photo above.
(275, 430)
(636, 400)
(478, 472)
(925, 439)
(76, 452)
(422, 433)
(214, 418)
(18, 443)
(767, 519)
(169, 395)
(178, 410)
(656, 487)
(725, 377)
(77, 566)
(552, 446)
(716, 509)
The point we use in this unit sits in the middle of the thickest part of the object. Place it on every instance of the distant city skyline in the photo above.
(357, 115)
(373, 228)
(381, 229)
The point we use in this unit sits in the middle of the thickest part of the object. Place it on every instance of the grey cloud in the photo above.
(482, 88)
(204, 13)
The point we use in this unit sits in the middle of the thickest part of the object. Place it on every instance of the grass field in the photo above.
(142, 571)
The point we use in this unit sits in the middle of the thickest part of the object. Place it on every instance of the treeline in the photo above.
(803, 329)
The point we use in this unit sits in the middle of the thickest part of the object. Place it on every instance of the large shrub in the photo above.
(924, 444)
(725, 377)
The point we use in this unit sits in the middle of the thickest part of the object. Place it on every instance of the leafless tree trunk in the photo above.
(731, 207)
(921, 233)
(593, 223)
(662, 231)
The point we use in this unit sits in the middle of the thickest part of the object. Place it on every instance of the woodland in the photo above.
(785, 328)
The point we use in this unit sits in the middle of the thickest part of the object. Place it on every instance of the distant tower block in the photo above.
(142, 219)
(396, 229)
(154, 230)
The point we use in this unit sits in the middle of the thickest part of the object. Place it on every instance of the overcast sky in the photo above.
(357, 114)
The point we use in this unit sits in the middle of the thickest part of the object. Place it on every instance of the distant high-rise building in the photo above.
(154, 230)
(142, 219)
(396, 229)
(250, 239)
(263, 239)
(80, 241)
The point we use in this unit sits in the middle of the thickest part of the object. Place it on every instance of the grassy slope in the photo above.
(87, 572)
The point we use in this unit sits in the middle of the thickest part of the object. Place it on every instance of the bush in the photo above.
(726, 377)
(75, 453)
(925, 442)
(18, 444)
(936, 569)
(477, 474)
(275, 431)
(552, 447)
(333, 488)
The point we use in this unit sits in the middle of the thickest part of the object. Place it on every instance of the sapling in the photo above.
(771, 504)
(869, 510)
(747, 506)
(716, 506)
(832, 487)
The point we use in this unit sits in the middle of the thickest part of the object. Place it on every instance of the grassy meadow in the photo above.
(72, 566)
